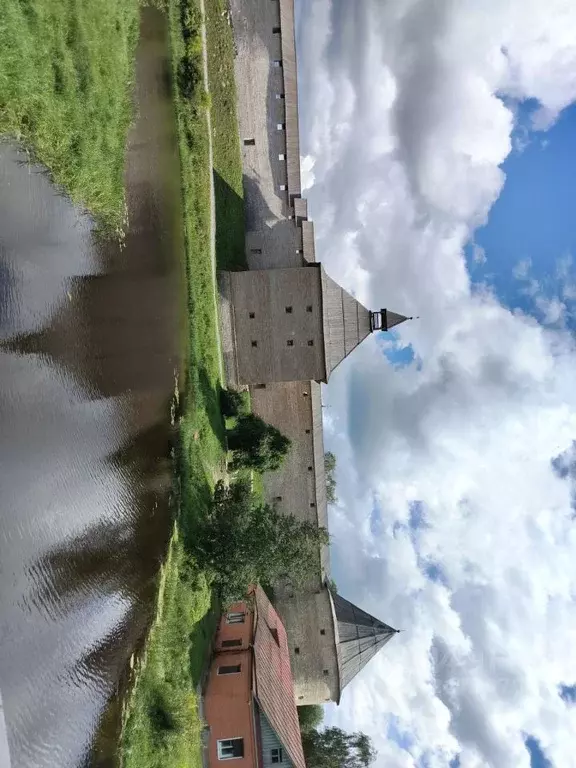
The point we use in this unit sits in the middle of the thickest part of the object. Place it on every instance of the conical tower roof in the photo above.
(360, 637)
(346, 322)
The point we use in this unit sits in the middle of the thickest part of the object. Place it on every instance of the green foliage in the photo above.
(257, 445)
(232, 403)
(330, 470)
(162, 728)
(334, 748)
(66, 81)
(310, 717)
(243, 542)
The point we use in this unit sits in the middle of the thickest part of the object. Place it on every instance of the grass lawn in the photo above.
(225, 142)
(66, 77)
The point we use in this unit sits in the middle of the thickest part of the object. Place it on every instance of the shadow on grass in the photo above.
(211, 394)
(201, 640)
(230, 252)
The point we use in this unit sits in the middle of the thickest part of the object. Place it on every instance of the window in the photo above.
(251, 315)
(230, 669)
(230, 749)
(249, 142)
(310, 468)
(235, 618)
(300, 697)
(254, 343)
(310, 342)
(322, 631)
(312, 505)
(288, 310)
(326, 672)
(255, 250)
(297, 651)
(280, 96)
(277, 63)
(281, 156)
(290, 343)
(231, 643)
(277, 498)
(275, 30)
(276, 755)
(307, 431)
(283, 187)
(298, 250)
(280, 126)
(305, 394)
(309, 308)
(259, 386)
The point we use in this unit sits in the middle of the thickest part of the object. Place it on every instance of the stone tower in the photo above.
(330, 641)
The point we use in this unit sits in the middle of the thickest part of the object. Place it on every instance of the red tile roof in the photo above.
(273, 682)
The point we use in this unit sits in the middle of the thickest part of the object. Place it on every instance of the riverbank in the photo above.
(66, 82)
(162, 724)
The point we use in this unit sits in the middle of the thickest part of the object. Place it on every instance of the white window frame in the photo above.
(235, 617)
(280, 126)
(277, 63)
(280, 755)
(281, 156)
(283, 187)
(219, 744)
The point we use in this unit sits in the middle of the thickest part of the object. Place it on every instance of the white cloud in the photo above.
(307, 172)
(399, 109)
(478, 254)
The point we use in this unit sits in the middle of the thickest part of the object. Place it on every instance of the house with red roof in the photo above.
(249, 702)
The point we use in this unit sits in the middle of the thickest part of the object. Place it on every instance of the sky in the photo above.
(438, 144)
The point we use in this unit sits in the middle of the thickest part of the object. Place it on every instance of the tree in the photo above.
(310, 717)
(334, 748)
(231, 402)
(330, 470)
(242, 541)
(257, 445)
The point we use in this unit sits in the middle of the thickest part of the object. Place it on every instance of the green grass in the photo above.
(163, 728)
(228, 192)
(66, 77)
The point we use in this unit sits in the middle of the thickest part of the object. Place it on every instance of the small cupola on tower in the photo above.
(385, 319)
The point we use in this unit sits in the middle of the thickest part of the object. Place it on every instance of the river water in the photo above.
(90, 339)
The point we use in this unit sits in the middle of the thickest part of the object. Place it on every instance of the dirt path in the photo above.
(212, 198)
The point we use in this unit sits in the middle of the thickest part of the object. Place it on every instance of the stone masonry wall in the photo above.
(278, 235)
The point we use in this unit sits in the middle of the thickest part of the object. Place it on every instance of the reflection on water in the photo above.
(89, 350)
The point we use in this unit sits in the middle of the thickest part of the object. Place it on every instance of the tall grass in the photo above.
(66, 77)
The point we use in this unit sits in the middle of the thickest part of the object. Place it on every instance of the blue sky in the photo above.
(408, 113)
(533, 219)
(531, 225)
(532, 222)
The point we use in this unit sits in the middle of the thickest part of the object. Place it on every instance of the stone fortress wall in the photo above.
(279, 236)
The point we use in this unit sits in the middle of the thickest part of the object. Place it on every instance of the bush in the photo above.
(257, 445)
(231, 402)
